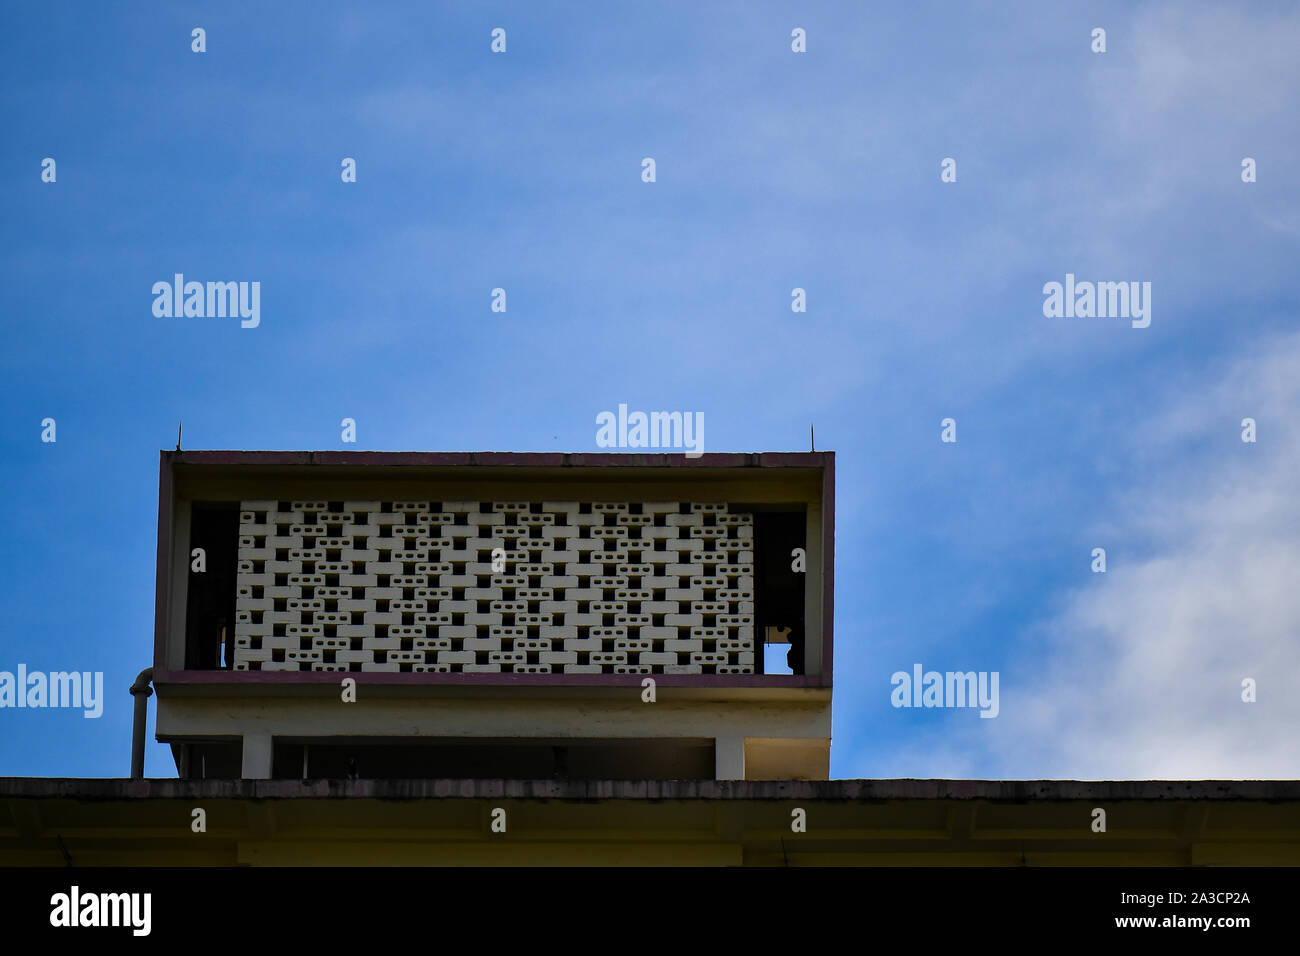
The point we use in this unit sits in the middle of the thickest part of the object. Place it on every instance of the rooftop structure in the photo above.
(373, 658)
(381, 615)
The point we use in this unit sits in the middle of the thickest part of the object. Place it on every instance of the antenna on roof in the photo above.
(812, 441)
(178, 435)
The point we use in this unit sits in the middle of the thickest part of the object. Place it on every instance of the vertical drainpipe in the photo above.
(140, 690)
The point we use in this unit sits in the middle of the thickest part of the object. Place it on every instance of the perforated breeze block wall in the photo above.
(579, 587)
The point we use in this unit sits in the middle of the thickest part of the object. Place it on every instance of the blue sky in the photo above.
(775, 170)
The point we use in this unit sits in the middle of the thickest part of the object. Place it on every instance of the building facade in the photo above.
(525, 616)
(498, 659)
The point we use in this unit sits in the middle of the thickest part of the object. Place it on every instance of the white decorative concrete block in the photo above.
(561, 586)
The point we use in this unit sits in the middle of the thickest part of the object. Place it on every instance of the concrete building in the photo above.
(391, 659)
(648, 823)
(500, 615)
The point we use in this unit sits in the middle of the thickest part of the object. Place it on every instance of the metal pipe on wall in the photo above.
(141, 691)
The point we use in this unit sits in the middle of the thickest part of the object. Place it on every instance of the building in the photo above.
(499, 615)
(373, 658)
(896, 823)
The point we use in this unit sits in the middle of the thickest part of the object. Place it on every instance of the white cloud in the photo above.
(1145, 664)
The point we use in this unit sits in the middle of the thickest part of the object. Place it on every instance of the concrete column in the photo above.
(257, 756)
(729, 758)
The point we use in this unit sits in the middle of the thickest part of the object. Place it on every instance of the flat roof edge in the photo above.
(498, 459)
(92, 788)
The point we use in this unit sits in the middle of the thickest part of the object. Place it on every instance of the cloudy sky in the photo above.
(775, 170)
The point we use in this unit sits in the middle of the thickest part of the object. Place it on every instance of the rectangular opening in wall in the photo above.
(494, 759)
(210, 760)
(779, 587)
(211, 578)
